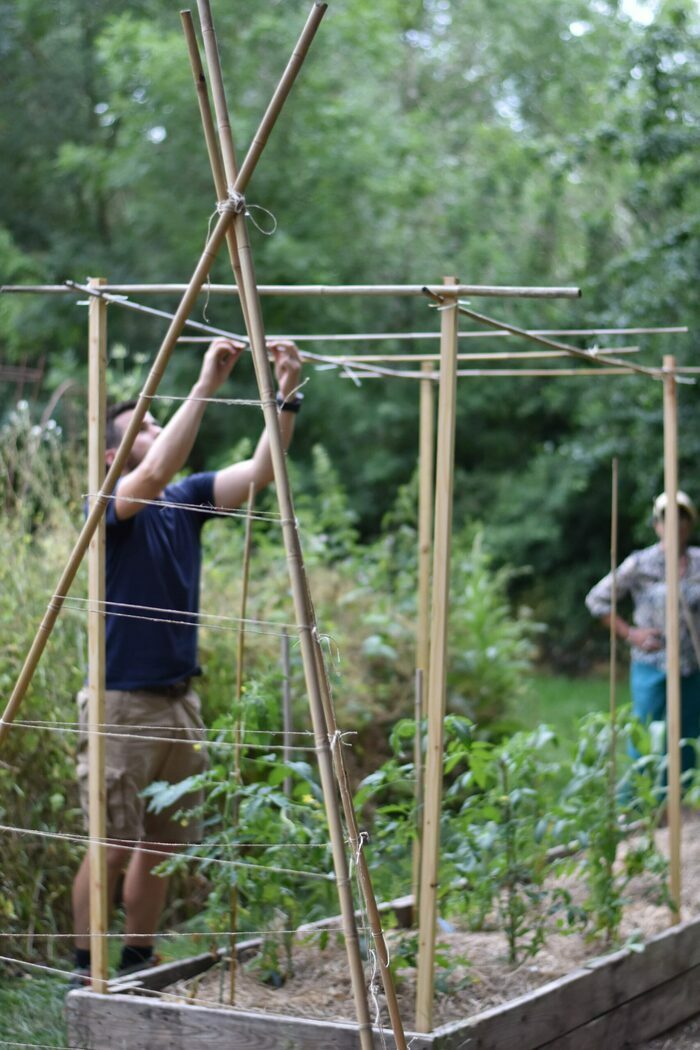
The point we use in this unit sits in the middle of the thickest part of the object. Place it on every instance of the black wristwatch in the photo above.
(292, 404)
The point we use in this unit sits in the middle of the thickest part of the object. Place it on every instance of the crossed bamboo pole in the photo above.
(245, 273)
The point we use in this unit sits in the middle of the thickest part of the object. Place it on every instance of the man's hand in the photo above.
(285, 355)
(217, 365)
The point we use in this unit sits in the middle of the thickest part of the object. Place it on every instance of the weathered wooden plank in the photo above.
(533, 1020)
(147, 1024)
(639, 1019)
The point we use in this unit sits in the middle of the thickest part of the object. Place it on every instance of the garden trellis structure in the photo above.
(231, 183)
(357, 368)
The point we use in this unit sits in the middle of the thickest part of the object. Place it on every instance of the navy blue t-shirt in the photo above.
(154, 560)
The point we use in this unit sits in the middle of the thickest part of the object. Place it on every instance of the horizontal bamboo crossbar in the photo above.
(316, 290)
(507, 373)
(369, 337)
(513, 355)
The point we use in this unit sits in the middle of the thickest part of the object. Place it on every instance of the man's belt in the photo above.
(173, 691)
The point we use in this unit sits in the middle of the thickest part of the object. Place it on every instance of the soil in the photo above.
(477, 975)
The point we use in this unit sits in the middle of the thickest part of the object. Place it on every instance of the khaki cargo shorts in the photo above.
(151, 737)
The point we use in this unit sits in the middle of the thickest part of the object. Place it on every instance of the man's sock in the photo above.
(134, 955)
(82, 958)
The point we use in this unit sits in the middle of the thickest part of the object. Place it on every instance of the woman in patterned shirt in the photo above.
(642, 577)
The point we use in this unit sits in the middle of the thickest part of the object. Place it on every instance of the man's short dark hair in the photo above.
(113, 433)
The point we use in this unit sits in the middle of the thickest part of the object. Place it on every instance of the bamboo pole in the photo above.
(211, 50)
(212, 330)
(247, 547)
(418, 767)
(470, 333)
(612, 768)
(357, 842)
(299, 585)
(100, 503)
(218, 168)
(503, 373)
(287, 723)
(426, 459)
(673, 698)
(438, 669)
(97, 804)
(323, 290)
(574, 351)
(526, 355)
(238, 733)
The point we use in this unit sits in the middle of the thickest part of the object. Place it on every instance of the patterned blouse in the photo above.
(642, 576)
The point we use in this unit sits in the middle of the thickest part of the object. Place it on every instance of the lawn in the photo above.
(560, 702)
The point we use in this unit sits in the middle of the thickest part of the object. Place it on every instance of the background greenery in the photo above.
(554, 144)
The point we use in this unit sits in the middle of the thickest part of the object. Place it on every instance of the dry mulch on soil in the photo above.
(478, 976)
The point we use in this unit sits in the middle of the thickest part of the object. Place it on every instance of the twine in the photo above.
(196, 508)
(214, 744)
(248, 865)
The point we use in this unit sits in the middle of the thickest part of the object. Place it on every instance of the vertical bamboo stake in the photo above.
(287, 725)
(238, 733)
(612, 768)
(357, 844)
(438, 666)
(97, 810)
(303, 609)
(425, 511)
(426, 457)
(418, 767)
(247, 547)
(673, 698)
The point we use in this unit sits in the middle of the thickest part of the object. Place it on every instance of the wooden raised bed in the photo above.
(613, 1002)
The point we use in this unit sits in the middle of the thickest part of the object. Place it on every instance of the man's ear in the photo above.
(110, 453)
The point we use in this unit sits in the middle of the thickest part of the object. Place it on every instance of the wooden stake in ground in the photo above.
(673, 681)
(438, 665)
(97, 809)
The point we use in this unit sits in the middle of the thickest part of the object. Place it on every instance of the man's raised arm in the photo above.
(158, 455)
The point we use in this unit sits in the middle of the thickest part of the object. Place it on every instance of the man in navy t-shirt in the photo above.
(152, 582)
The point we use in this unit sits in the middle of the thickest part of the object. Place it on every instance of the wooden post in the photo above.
(438, 665)
(97, 809)
(673, 682)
